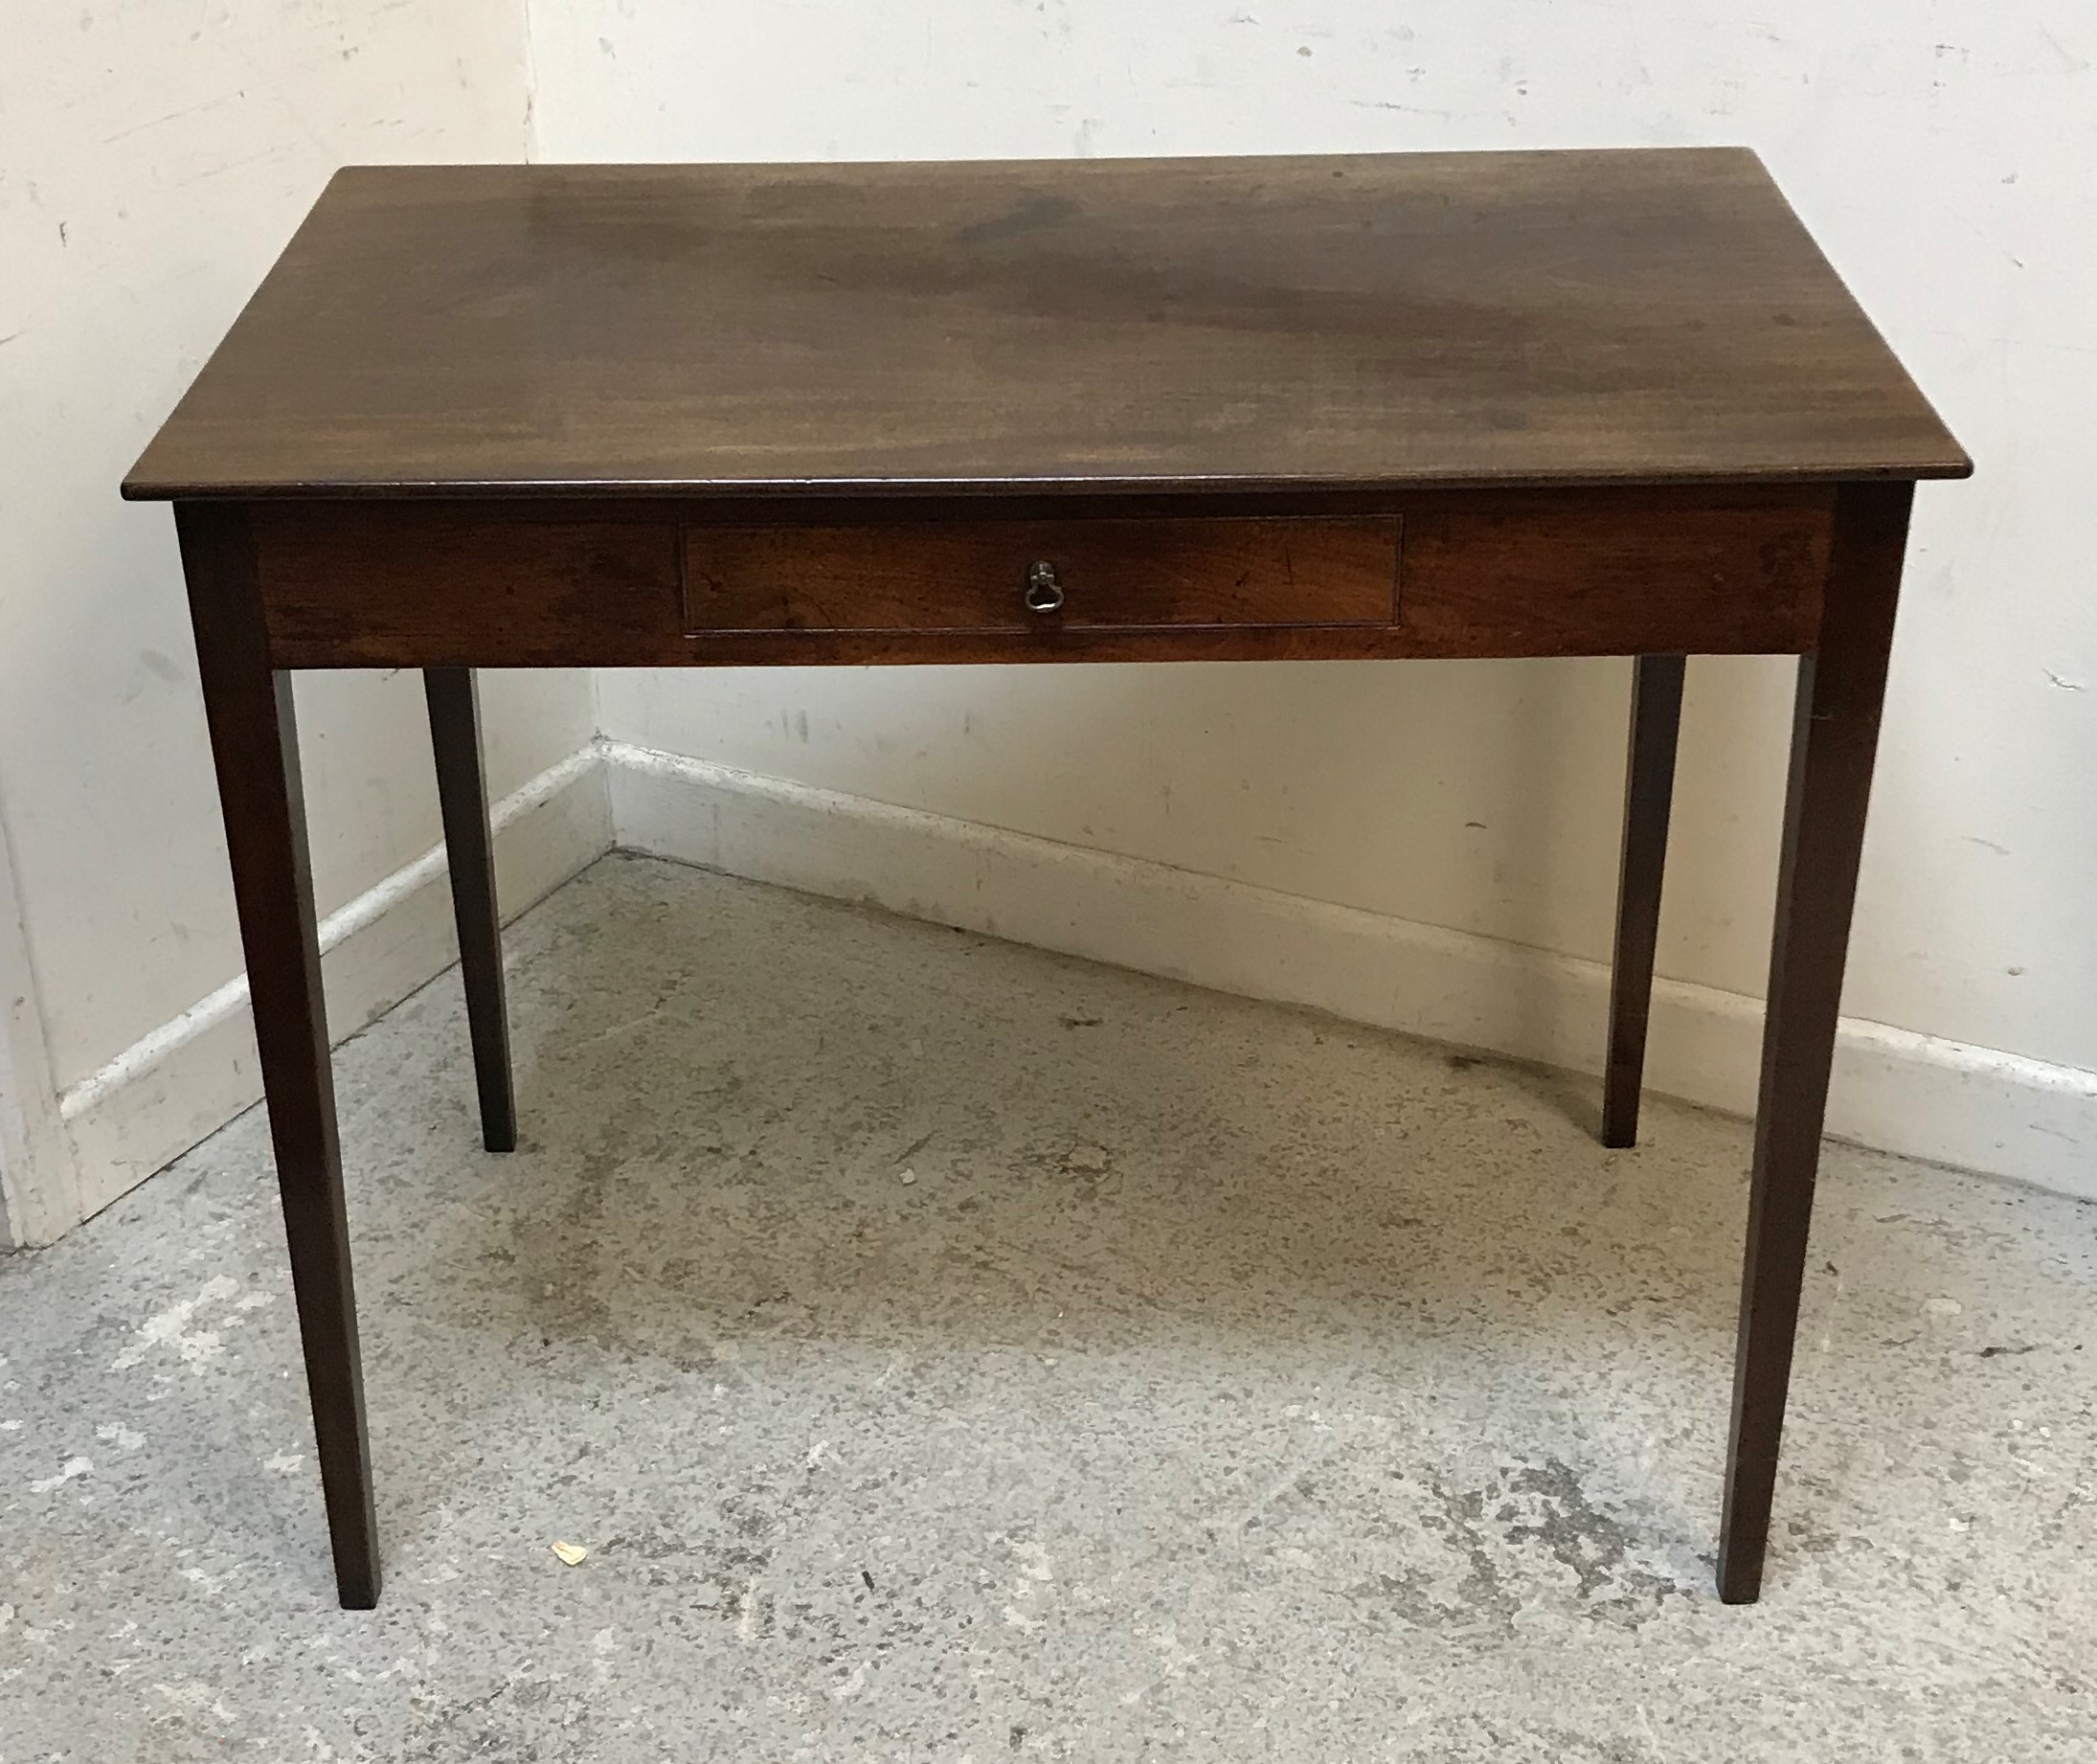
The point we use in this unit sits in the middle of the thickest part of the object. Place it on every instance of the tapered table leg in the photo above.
(1834, 733)
(462, 792)
(1649, 790)
(254, 744)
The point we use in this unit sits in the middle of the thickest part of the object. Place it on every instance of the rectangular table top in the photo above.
(1349, 324)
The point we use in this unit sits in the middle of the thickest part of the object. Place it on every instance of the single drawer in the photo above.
(1055, 575)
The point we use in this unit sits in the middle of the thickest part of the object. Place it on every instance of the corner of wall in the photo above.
(39, 1169)
(529, 62)
(182, 1080)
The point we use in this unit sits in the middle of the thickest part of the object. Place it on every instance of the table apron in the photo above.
(408, 582)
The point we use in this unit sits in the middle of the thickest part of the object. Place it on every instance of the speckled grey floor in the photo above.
(948, 1352)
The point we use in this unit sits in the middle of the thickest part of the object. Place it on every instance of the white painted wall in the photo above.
(1945, 152)
(1430, 845)
(154, 159)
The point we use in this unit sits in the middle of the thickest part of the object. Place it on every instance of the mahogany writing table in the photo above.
(1496, 404)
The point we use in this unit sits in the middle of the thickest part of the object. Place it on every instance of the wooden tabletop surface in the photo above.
(1349, 324)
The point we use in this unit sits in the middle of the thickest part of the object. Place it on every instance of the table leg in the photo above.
(1649, 790)
(461, 793)
(1834, 733)
(255, 743)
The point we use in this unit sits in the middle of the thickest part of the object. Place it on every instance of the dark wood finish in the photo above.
(469, 851)
(1649, 793)
(1598, 572)
(1374, 322)
(344, 589)
(973, 575)
(1616, 573)
(254, 745)
(1607, 403)
(1834, 733)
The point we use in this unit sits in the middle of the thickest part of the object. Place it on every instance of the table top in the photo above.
(1350, 324)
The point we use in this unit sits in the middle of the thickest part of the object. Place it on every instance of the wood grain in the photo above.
(1605, 571)
(352, 586)
(973, 575)
(1618, 573)
(1383, 321)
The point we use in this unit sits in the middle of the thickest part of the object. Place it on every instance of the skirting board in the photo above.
(1894, 1090)
(192, 1075)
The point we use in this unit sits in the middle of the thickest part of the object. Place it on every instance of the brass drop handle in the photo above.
(1044, 593)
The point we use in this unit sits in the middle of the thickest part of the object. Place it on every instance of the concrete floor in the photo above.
(950, 1351)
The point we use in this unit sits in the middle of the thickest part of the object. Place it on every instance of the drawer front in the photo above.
(1019, 576)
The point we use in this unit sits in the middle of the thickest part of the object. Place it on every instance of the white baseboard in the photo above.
(1894, 1090)
(192, 1075)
